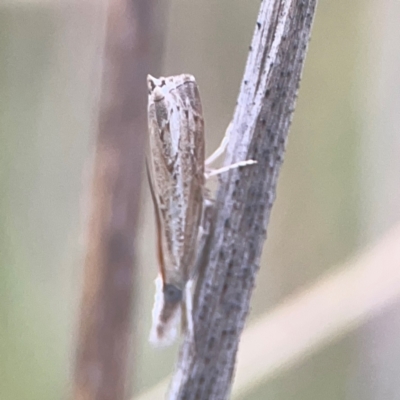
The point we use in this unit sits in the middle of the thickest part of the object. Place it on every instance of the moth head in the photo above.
(155, 87)
(158, 87)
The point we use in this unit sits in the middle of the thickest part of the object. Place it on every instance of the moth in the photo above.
(177, 174)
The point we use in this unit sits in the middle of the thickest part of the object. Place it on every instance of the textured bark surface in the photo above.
(102, 368)
(244, 199)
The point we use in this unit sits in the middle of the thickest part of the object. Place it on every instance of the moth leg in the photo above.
(202, 236)
(206, 215)
(221, 148)
(187, 310)
(218, 152)
(219, 171)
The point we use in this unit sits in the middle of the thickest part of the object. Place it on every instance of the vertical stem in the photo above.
(104, 339)
(244, 200)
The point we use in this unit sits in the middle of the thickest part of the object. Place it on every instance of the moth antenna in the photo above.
(160, 255)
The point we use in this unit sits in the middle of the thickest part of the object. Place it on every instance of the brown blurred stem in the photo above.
(244, 199)
(104, 337)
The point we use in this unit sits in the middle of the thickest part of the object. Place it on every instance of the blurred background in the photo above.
(339, 188)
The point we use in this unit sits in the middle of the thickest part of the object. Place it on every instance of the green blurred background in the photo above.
(339, 186)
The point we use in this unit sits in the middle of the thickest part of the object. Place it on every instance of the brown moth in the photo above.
(177, 182)
(177, 175)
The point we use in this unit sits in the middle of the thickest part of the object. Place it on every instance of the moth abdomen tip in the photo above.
(166, 313)
(165, 325)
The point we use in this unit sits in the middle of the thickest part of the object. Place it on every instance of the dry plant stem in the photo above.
(340, 301)
(244, 200)
(104, 339)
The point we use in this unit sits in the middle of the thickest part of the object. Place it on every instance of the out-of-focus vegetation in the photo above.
(338, 190)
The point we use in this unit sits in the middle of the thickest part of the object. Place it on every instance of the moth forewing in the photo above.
(176, 130)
